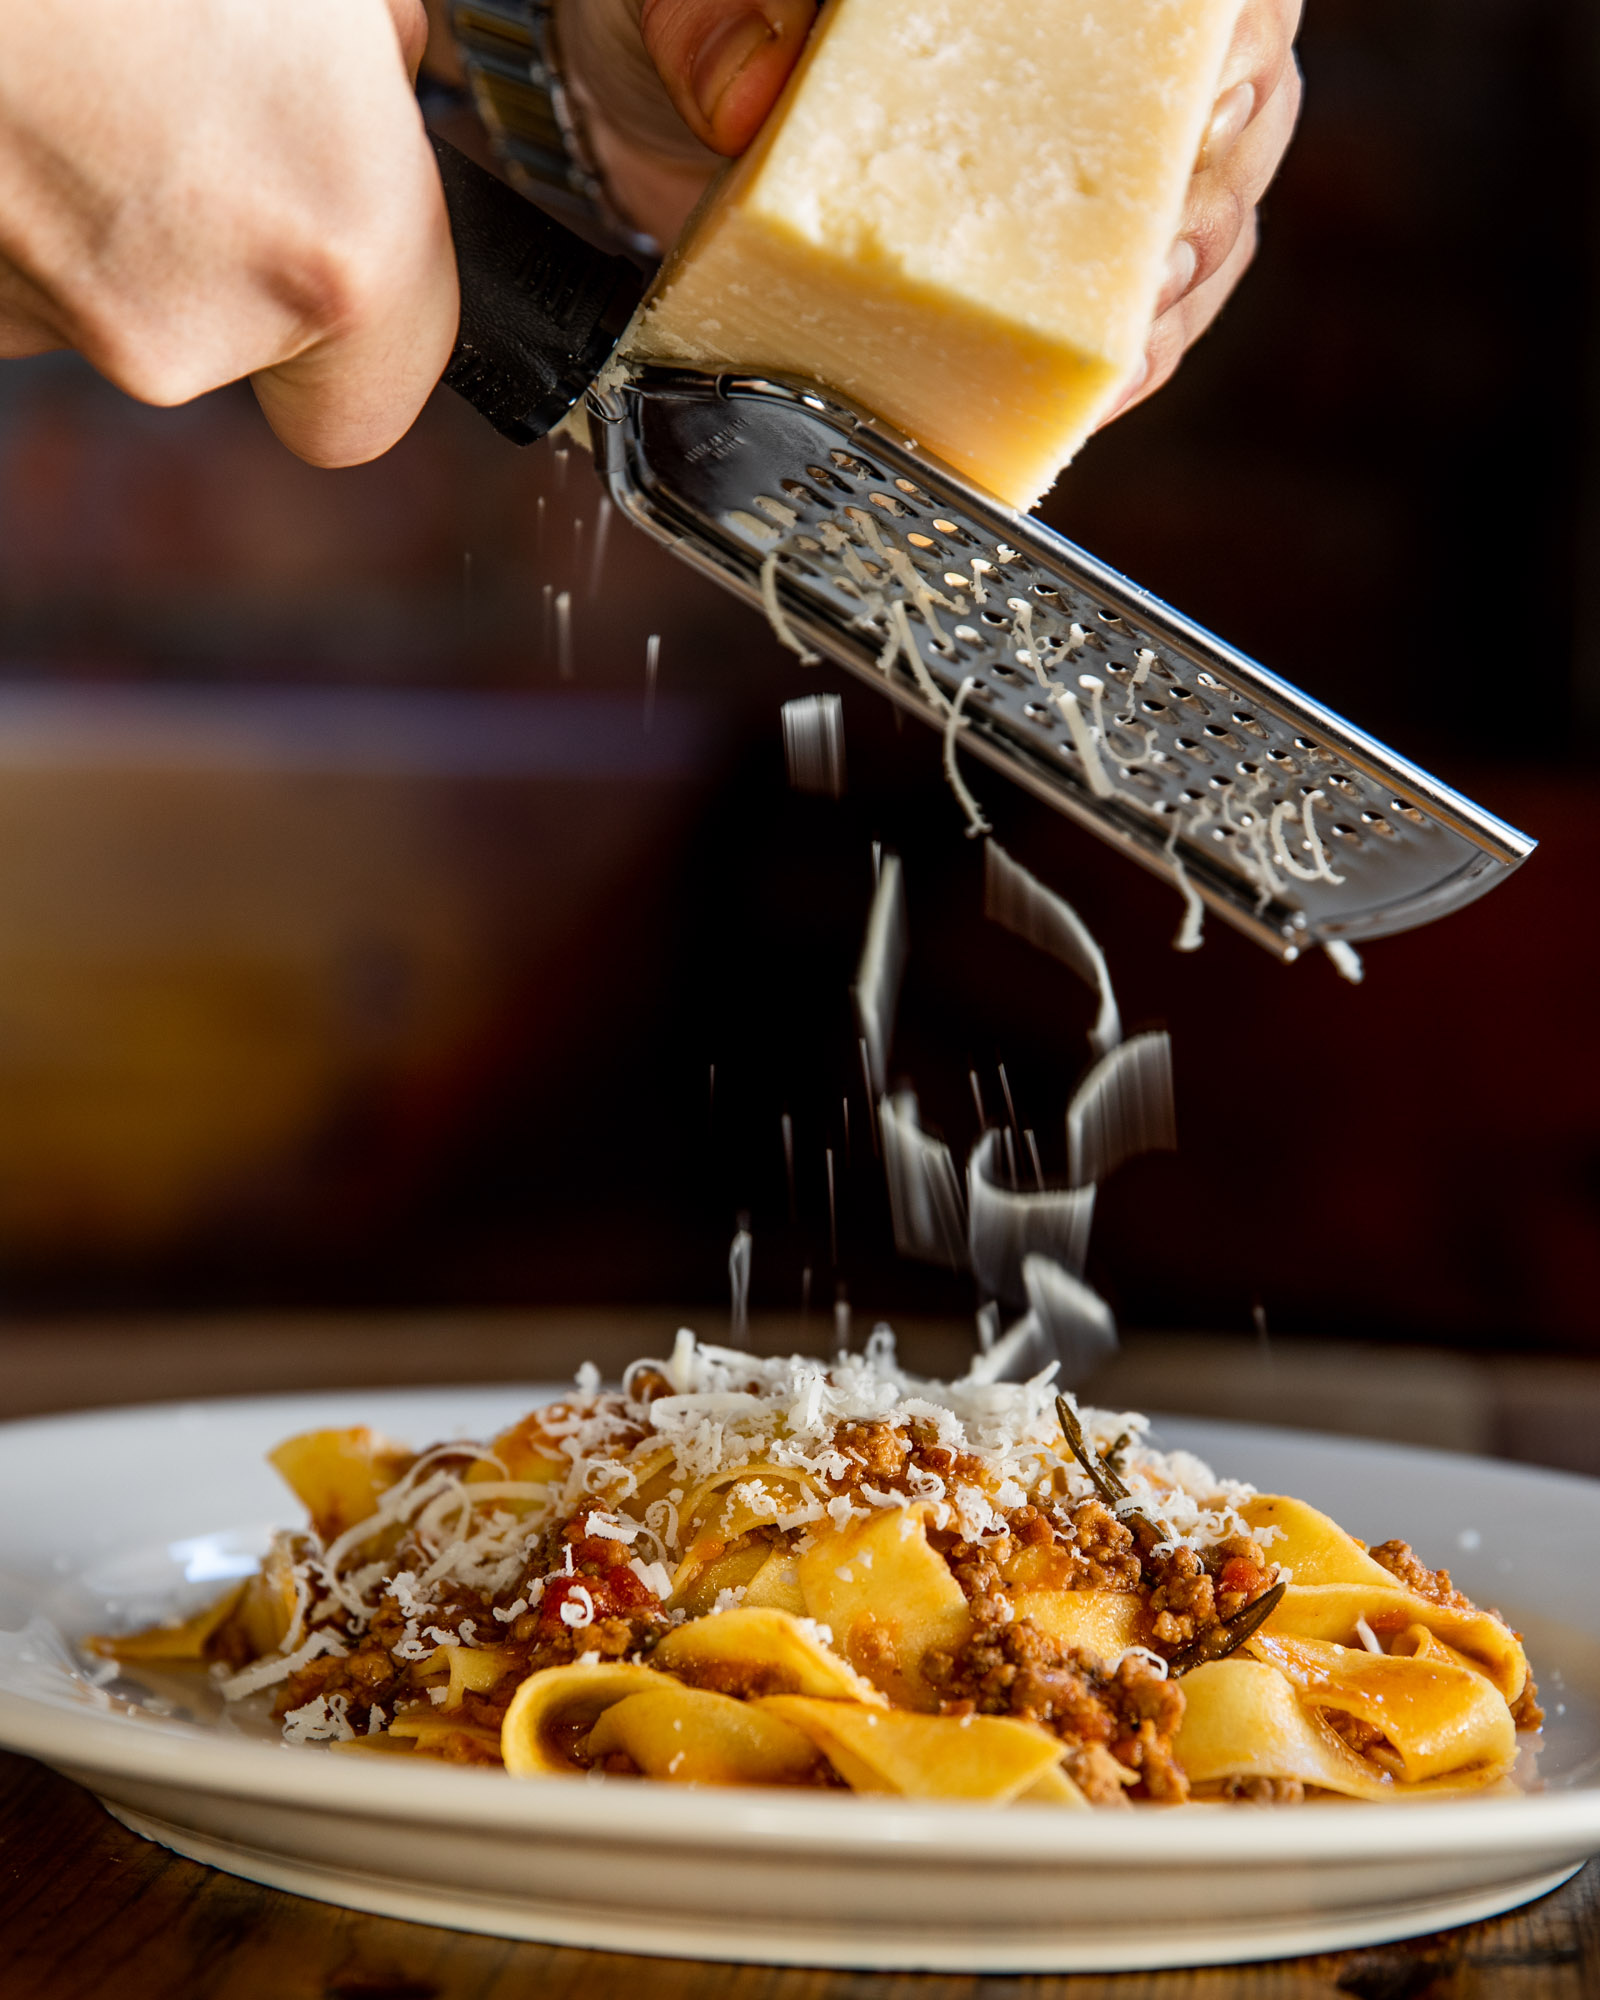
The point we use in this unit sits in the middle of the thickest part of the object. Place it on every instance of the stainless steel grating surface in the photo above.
(1187, 756)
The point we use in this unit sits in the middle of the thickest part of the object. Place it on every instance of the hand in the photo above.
(667, 85)
(1258, 101)
(192, 193)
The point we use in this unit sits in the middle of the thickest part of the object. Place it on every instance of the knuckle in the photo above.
(331, 289)
(143, 360)
(1214, 226)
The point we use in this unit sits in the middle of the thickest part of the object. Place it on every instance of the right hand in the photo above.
(191, 193)
(669, 88)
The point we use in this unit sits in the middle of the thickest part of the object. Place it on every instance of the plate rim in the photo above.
(90, 1740)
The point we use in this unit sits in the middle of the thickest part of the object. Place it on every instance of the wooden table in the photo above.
(89, 1911)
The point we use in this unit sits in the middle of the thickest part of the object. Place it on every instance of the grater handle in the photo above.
(541, 309)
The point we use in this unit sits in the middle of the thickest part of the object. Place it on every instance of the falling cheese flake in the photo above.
(1021, 903)
(1123, 1106)
(813, 744)
(883, 958)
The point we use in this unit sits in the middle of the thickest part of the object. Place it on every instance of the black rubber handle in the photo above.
(541, 310)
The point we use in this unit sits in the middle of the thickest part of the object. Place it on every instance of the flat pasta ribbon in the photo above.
(931, 1756)
(690, 1736)
(1334, 1582)
(888, 1597)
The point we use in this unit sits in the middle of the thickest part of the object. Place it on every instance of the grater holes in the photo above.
(921, 541)
(1407, 811)
(846, 463)
(1379, 825)
(914, 492)
(889, 504)
(824, 477)
(1223, 735)
(1036, 712)
(955, 533)
(798, 490)
(995, 618)
(1249, 724)
(1347, 834)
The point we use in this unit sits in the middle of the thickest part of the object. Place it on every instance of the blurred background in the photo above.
(361, 954)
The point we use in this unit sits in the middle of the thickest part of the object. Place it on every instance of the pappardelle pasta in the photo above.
(741, 1571)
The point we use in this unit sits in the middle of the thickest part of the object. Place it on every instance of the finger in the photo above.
(410, 19)
(724, 61)
(390, 323)
(1260, 53)
(1181, 325)
(1221, 197)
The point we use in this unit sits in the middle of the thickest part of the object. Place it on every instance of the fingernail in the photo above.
(721, 57)
(1183, 260)
(1234, 110)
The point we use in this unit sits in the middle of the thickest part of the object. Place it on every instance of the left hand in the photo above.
(1258, 101)
(666, 86)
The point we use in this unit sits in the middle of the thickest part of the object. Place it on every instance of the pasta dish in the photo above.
(747, 1571)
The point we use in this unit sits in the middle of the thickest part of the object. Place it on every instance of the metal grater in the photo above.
(731, 471)
(1188, 757)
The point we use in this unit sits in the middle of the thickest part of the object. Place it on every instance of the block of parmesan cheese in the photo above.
(958, 215)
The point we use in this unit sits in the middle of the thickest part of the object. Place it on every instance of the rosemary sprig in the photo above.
(1147, 1533)
(1228, 1636)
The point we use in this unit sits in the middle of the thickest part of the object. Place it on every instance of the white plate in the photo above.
(120, 1514)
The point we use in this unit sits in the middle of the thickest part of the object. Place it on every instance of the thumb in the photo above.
(723, 62)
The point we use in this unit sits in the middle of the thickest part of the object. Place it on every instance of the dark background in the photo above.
(350, 954)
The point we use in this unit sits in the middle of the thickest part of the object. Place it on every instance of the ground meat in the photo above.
(460, 1748)
(1262, 1791)
(1130, 1714)
(1365, 1739)
(879, 1450)
(1183, 1599)
(1103, 1551)
(1433, 1584)
(1097, 1774)
(1241, 1572)
(1030, 1528)
(977, 1569)
(1525, 1710)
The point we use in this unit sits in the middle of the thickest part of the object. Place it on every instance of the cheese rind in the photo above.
(959, 216)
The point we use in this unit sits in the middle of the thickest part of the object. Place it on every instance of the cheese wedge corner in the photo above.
(958, 216)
